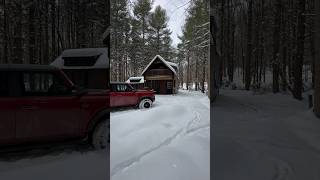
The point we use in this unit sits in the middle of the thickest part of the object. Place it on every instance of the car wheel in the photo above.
(101, 135)
(145, 103)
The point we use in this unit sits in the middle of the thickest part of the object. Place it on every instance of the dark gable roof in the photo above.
(167, 63)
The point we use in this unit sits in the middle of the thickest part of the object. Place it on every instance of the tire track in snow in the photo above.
(126, 164)
(282, 170)
(181, 132)
(197, 117)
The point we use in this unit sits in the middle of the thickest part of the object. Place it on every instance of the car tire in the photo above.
(145, 103)
(101, 135)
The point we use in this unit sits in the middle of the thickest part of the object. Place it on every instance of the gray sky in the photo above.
(176, 11)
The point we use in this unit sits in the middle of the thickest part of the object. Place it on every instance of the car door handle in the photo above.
(43, 102)
(28, 107)
(85, 105)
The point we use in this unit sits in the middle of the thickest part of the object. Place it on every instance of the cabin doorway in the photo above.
(161, 86)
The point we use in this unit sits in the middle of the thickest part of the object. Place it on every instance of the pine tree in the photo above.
(159, 34)
(36, 31)
(141, 11)
(119, 38)
(196, 42)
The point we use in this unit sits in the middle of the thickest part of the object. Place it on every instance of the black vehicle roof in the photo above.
(21, 67)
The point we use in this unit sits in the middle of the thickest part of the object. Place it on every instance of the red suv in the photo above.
(40, 104)
(123, 94)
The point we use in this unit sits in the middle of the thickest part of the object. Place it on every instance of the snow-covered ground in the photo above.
(265, 137)
(170, 141)
(63, 162)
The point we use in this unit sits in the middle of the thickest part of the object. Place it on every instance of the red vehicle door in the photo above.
(131, 95)
(49, 110)
(7, 111)
(122, 95)
(115, 96)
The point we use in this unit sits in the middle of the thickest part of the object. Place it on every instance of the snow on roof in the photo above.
(102, 61)
(138, 79)
(167, 63)
(172, 64)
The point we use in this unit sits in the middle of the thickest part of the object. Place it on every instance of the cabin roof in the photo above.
(102, 61)
(172, 64)
(167, 63)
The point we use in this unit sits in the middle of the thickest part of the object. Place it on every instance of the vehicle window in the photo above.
(43, 83)
(4, 84)
(129, 88)
(113, 87)
(121, 88)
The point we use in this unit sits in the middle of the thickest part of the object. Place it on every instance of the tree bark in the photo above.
(276, 46)
(249, 47)
(317, 63)
(298, 65)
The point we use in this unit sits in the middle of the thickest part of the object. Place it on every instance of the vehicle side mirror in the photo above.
(74, 89)
(78, 92)
(82, 93)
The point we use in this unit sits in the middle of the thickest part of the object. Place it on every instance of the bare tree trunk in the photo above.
(46, 33)
(312, 41)
(188, 69)
(204, 65)
(276, 46)
(317, 63)
(17, 40)
(249, 47)
(32, 33)
(53, 28)
(298, 65)
(5, 33)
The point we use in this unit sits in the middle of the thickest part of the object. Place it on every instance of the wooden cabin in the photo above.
(161, 76)
(88, 68)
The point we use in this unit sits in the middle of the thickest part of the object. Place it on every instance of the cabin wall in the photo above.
(162, 84)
